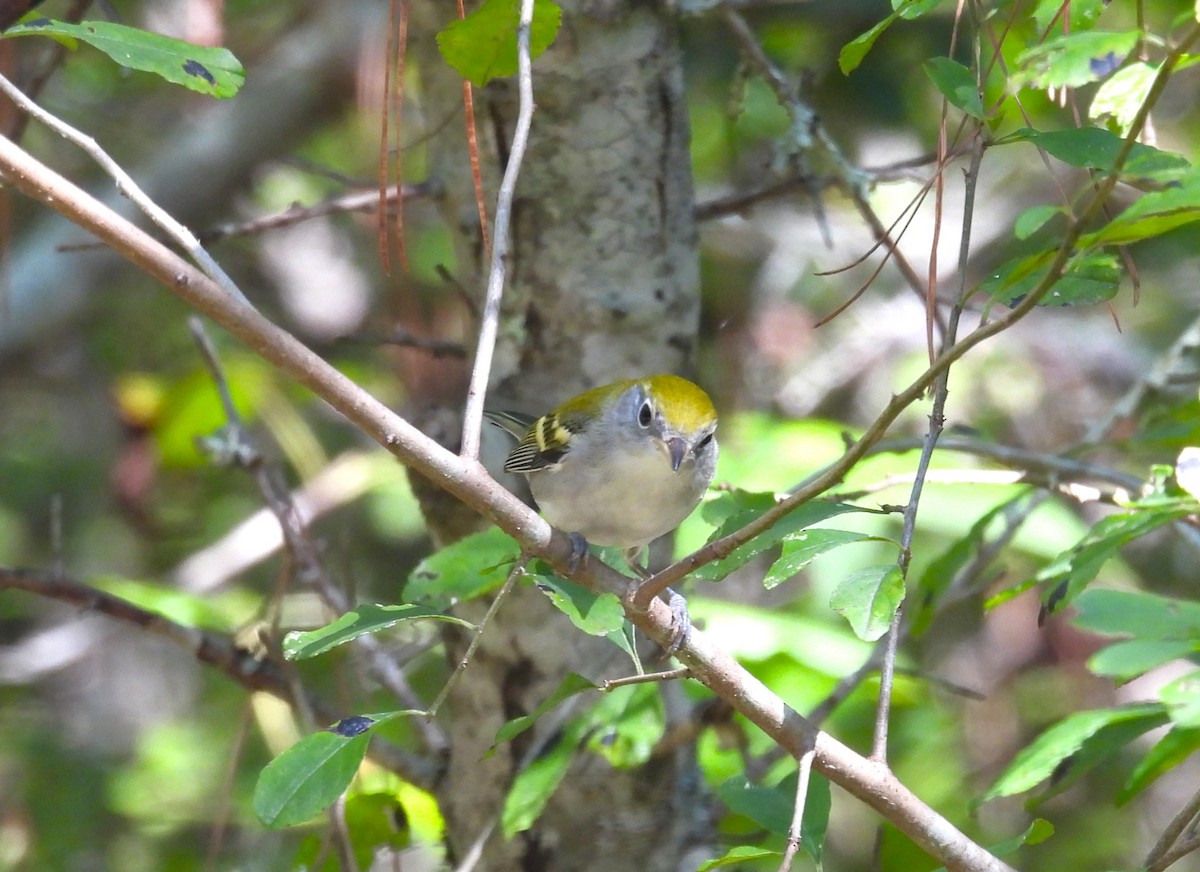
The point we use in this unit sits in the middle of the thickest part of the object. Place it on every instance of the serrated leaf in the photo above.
(1038, 761)
(469, 568)
(1067, 575)
(309, 776)
(207, 69)
(806, 546)
(868, 599)
(957, 84)
(789, 527)
(1075, 59)
(568, 687)
(483, 46)
(1168, 752)
(359, 621)
(595, 614)
(1033, 219)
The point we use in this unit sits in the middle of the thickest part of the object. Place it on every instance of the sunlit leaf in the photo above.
(1039, 760)
(729, 506)
(806, 546)
(483, 46)
(868, 599)
(467, 569)
(1075, 59)
(210, 70)
(1182, 698)
(1117, 612)
(360, 620)
(595, 614)
(309, 776)
(1125, 660)
(1122, 95)
(1152, 214)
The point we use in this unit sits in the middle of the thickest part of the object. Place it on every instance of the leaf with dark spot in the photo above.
(352, 726)
(195, 68)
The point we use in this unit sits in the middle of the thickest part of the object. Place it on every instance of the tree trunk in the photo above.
(603, 284)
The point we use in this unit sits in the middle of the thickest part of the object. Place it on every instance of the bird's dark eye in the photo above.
(703, 443)
(645, 414)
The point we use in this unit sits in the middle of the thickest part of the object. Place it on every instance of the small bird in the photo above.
(620, 464)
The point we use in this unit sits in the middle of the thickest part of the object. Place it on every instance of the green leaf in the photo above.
(789, 527)
(1067, 575)
(771, 808)
(536, 783)
(1076, 59)
(483, 46)
(1082, 13)
(1090, 278)
(957, 84)
(1097, 149)
(209, 70)
(1182, 698)
(1152, 214)
(1032, 219)
(1168, 752)
(855, 50)
(1125, 660)
(803, 548)
(1118, 612)
(737, 857)
(595, 614)
(469, 568)
(1121, 97)
(1039, 760)
(360, 620)
(568, 687)
(309, 776)
(868, 599)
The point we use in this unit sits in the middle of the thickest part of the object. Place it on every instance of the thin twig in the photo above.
(212, 649)
(490, 323)
(795, 829)
(643, 678)
(517, 572)
(299, 548)
(352, 201)
(1172, 832)
(127, 186)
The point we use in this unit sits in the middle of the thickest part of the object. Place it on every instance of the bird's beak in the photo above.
(677, 448)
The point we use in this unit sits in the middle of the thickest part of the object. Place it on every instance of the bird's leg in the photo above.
(579, 551)
(681, 627)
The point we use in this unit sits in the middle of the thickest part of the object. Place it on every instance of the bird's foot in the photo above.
(681, 627)
(579, 551)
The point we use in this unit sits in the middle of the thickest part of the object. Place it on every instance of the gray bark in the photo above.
(603, 284)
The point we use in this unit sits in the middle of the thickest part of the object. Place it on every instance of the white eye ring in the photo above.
(645, 414)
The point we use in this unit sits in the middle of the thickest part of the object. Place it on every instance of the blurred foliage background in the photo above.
(119, 751)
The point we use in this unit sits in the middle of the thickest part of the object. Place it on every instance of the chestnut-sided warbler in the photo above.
(620, 464)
